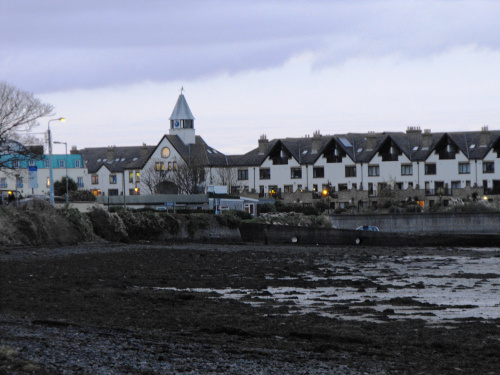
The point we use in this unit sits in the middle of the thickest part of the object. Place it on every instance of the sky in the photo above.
(283, 68)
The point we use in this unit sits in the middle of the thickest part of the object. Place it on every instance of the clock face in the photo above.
(177, 124)
(165, 152)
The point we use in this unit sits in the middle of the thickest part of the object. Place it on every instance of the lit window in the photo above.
(112, 179)
(131, 177)
(137, 177)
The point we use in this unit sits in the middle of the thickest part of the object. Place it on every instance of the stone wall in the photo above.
(420, 222)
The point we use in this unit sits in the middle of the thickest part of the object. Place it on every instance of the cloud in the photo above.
(59, 45)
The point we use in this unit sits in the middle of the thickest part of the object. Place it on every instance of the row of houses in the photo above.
(348, 168)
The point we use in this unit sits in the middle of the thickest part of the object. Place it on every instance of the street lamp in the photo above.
(62, 119)
(66, 147)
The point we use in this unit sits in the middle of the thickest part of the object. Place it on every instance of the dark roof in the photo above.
(134, 157)
(181, 110)
(358, 147)
(200, 152)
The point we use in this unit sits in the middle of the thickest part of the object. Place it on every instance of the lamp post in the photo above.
(66, 147)
(62, 119)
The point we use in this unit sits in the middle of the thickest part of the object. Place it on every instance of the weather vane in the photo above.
(182, 89)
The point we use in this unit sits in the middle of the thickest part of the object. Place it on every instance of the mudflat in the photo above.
(240, 309)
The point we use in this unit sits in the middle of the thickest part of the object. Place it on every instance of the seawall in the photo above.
(460, 222)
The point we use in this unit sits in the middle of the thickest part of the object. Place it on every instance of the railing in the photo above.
(438, 191)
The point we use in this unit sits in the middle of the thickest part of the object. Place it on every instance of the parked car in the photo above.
(368, 227)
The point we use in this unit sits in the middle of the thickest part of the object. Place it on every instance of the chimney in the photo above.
(413, 130)
(316, 142)
(371, 141)
(427, 138)
(263, 143)
(111, 153)
(484, 136)
(144, 150)
(73, 150)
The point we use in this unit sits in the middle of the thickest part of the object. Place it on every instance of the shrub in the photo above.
(228, 220)
(108, 225)
(265, 208)
(197, 222)
(309, 210)
(80, 222)
(242, 215)
(81, 196)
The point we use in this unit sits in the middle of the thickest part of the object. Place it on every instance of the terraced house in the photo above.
(352, 169)
(357, 169)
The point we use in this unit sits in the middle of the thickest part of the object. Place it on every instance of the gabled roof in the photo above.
(134, 157)
(181, 110)
(199, 152)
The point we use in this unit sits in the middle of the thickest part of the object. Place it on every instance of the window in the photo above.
(3, 182)
(370, 188)
(112, 192)
(134, 191)
(19, 182)
(32, 163)
(430, 169)
(61, 163)
(15, 164)
(242, 174)
(398, 185)
(174, 164)
(288, 188)
(295, 172)
(78, 163)
(455, 185)
(265, 173)
(373, 170)
(48, 181)
(350, 171)
(318, 172)
(463, 168)
(159, 166)
(130, 177)
(342, 187)
(406, 170)
(488, 167)
(137, 176)
(46, 163)
(95, 179)
(112, 179)
(80, 182)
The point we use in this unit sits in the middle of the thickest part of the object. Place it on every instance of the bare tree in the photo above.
(226, 176)
(19, 111)
(155, 180)
(189, 176)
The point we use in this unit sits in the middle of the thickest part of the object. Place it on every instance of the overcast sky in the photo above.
(114, 68)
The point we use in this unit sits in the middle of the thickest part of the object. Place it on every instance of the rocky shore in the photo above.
(241, 309)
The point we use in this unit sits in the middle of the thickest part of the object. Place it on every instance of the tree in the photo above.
(60, 186)
(19, 112)
(226, 177)
(189, 176)
(155, 180)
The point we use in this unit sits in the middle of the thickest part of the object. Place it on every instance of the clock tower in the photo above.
(182, 121)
